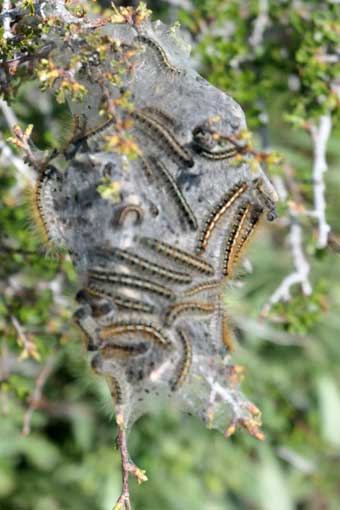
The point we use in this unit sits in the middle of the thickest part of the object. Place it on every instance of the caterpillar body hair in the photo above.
(132, 281)
(121, 301)
(216, 214)
(232, 243)
(176, 193)
(146, 265)
(161, 53)
(130, 327)
(179, 256)
(44, 212)
(184, 366)
(175, 311)
(162, 135)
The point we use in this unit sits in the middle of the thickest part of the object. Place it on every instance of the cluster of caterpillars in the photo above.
(136, 301)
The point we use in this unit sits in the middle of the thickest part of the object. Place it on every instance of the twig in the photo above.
(6, 20)
(260, 25)
(299, 277)
(37, 392)
(320, 135)
(29, 347)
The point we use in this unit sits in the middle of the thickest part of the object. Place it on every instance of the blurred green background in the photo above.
(292, 358)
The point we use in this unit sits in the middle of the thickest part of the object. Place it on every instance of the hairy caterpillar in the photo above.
(233, 238)
(186, 361)
(147, 330)
(180, 256)
(176, 193)
(164, 137)
(146, 265)
(127, 210)
(175, 311)
(113, 350)
(43, 208)
(217, 212)
(121, 301)
(203, 287)
(132, 281)
(163, 57)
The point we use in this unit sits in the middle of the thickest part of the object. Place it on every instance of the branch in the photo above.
(320, 135)
(37, 393)
(260, 25)
(299, 277)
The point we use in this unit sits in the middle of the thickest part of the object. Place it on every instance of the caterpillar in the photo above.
(132, 281)
(255, 215)
(226, 334)
(233, 238)
(113, 350)
(123, 328)
(148, 266)
(165, 137)
(121, 301)
(163, 57)
(127, 210)
(175, 311)
(43, 208)
(115, 389)
(180, 256)
(174, 190)
(186, 361)
(216, 155)
(203, 287)
(217, 212)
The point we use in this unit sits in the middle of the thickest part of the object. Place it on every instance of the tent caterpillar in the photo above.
(127, 280)
(186, 361)
(174, 190)
(216, 213)
(163, 136)
(175, 311)
(233, 238)
(163, 57)
(180, 256)
(120, 301)
(143, 328)
(148, 266)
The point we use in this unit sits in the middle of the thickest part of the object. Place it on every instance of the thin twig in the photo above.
(320, 135)
(298, 277)
(260, 25)
(37, 392)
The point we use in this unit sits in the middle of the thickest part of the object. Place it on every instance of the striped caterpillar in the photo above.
(179, 256)
(188, 308)
(247, 219)
(132, 281)
(216, 214)
(185, 363)
(120, 328)
(43, 207)
(164, 137)
(146, 265)
(175, 192)
(158, 49)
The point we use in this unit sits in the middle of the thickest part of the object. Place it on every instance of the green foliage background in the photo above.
(292, 359)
